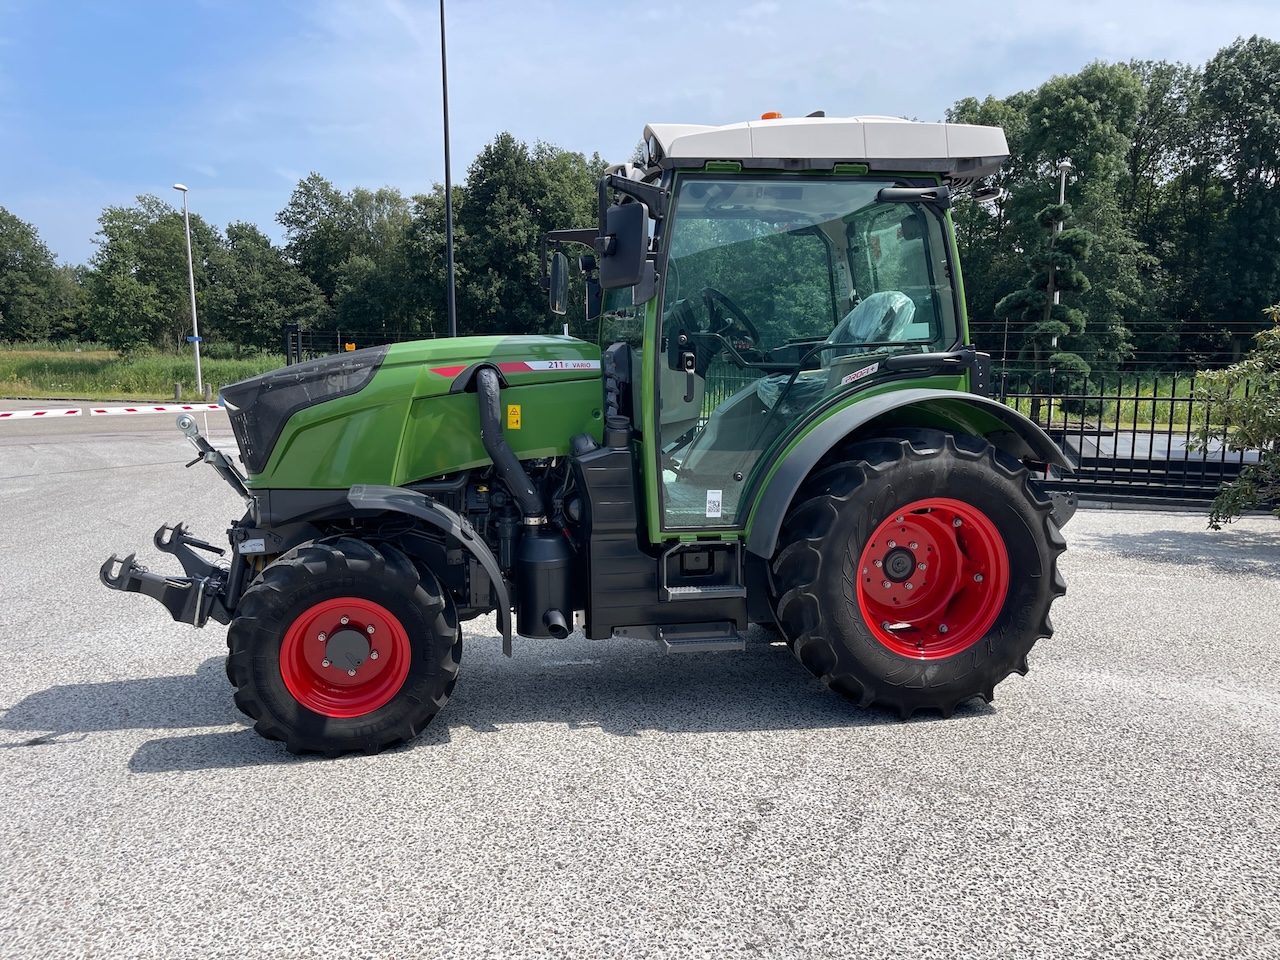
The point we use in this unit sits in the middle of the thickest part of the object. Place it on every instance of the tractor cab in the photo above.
(755, 292)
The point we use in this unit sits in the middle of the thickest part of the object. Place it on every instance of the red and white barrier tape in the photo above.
(57, 412)
(48, 414)
(159, 408)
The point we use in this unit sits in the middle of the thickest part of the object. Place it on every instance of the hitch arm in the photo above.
(188, 600)
(191, 599)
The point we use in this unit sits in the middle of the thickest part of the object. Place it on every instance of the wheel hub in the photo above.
(899, 564)
(347, 649)
(933, 578)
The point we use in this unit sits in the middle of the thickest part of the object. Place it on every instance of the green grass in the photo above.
(100, 374)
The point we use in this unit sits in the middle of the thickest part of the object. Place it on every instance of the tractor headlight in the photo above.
(260, 406)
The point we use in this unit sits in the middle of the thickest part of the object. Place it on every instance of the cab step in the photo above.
(699, 638)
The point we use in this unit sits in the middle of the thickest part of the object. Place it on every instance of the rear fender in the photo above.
(384, 499)
(1004, 427)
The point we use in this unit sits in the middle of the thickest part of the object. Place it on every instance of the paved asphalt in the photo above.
(598, 800)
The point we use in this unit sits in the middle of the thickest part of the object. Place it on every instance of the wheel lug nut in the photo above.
(886, 584)
(324, 662)
(351, 673)
(942, 628)
(322, 638)
(909, 585)
(884, 625)
(344, 621)
(879, 564)
(913, 545)
(892, 544)
(977, 578)
(956, 522)
(900, 519)
(369, 628)
(920, 565)
(373, 654)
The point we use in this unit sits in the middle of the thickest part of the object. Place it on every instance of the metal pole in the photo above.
(1063, 167)
(448, 185)
(191, 276)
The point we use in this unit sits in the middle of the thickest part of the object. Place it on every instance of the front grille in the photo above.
(260, 406)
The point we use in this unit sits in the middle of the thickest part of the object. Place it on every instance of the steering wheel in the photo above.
(723, 325)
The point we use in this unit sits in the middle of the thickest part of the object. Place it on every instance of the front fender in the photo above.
(399, 500)
(1003, 426)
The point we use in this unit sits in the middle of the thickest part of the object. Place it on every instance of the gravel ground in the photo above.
(592, 799)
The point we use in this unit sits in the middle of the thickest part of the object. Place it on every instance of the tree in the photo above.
(318, 224)
(425, 261)
(352, 246)
(138, 288)
(1053, 269)
(30, 282)
(1242, 113)
(255, 292)
(1243, 413)
(513, 196)
(1091, 117)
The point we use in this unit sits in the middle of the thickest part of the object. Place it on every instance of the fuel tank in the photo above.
(393, 415)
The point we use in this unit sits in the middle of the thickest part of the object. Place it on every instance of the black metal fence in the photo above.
(1130, 435)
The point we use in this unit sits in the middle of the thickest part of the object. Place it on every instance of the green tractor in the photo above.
(782, 423)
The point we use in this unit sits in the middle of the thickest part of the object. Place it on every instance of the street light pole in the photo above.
(1063, 169)
(448, 185)
(191, 277)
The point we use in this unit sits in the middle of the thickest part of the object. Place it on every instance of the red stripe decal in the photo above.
(517, 366)
(448, 371)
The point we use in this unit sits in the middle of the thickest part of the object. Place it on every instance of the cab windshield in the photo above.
(779, 293)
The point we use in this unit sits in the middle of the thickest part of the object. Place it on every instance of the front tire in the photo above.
(343, 645)
(919, 572)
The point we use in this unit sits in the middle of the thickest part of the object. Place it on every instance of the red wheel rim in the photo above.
(933, 578)
(345, 657)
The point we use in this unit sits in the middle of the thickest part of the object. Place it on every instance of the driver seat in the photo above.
(881, 318)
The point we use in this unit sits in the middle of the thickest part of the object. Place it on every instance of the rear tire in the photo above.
(342, 645)
(918, 573)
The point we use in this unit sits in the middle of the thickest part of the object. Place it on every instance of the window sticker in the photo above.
(859, 374)
(715, 503)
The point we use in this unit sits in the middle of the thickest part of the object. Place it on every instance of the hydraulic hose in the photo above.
(500, 452)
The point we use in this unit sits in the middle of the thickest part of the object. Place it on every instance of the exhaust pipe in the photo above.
(555, 624)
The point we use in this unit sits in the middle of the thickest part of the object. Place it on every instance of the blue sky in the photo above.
(239, 99)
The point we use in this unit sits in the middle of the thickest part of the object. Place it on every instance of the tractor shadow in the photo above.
(1230, 550)
(615, 686)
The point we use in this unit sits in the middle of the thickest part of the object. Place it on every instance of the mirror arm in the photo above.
(583, 235)
(653, 197)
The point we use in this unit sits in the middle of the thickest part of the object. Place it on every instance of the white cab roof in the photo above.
(885, 143)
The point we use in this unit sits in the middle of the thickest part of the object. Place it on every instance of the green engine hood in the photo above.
(395, 415)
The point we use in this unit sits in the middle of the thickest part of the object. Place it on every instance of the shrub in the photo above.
(1244, 399)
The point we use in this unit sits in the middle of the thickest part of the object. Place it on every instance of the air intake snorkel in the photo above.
(544, 559)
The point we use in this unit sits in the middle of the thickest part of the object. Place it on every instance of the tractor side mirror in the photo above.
(622, 245)
(595, 296)
(558, 289)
